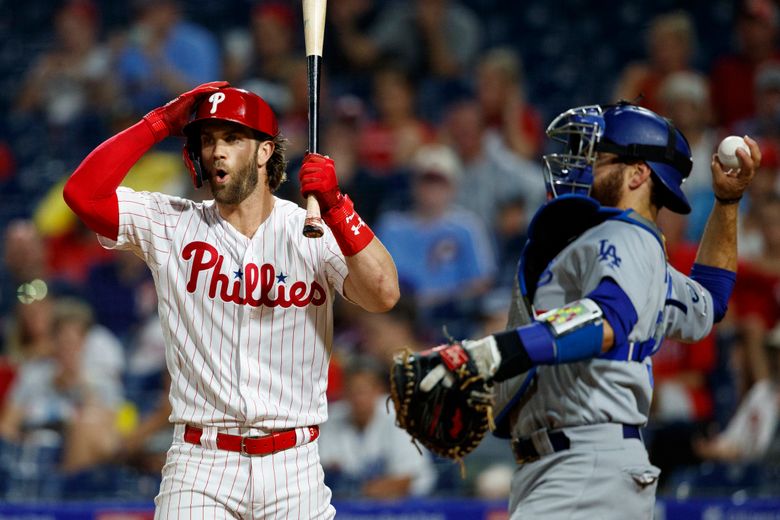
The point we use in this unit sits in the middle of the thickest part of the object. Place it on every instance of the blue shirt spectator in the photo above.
(165, 55)
(443, 254)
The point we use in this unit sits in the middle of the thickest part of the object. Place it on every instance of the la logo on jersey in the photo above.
(257, 279)
(608, 253)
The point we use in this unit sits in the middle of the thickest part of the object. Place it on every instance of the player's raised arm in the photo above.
(372, 282)
(91, 190)
(716, 260)
(718, 246)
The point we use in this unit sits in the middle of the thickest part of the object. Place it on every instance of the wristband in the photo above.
(728, 201)
(157, 124)
(349, 230)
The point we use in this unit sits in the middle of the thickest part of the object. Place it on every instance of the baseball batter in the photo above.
(595, 297)
(245, 300)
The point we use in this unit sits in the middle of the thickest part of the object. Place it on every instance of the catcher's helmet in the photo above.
(629, 131)
(227, 104)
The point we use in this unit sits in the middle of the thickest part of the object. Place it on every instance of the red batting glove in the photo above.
(170, 118)
(318, 178)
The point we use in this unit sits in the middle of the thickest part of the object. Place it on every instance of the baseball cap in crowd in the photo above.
(685, 86)
(437, 160)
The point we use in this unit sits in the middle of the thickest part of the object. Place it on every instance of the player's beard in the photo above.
(240, 186)
(608, 187)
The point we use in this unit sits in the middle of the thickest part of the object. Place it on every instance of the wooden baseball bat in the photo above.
(314, 32)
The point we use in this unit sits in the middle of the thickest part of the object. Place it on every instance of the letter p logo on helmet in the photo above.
(216, 98)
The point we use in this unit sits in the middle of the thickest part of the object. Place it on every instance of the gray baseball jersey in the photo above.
(617, 387)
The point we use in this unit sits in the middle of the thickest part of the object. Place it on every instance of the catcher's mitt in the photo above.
(441, 399)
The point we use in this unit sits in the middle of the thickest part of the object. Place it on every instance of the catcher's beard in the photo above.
(242, 183)
(608, 188)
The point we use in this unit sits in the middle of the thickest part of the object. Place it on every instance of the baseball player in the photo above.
(245, 300)
(595, 297)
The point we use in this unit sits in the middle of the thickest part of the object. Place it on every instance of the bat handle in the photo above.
(313, 226)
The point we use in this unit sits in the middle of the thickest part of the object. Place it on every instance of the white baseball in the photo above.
(727, 151)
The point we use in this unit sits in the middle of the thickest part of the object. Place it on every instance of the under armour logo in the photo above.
(356, 227)
(216, 98)
(608, 252)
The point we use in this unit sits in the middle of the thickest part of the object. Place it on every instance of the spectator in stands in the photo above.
(390, 139)
(71, 83)
(372, 193)
(492, 173)
(294, 120)
(444, 255)
(164, 55)
(362, 452)
(28, 334)
(755, 302)
(751, 430)
(24, 261)
(259, 58)
(349, 47)
(510, 230)
(435, 38)
(71, 255)
(670, 44)
(382, 335)
(684, 98)
(74, 393)
(506, 112)
(144, 447)
(765, 186)
(764, 123)
(733, 75)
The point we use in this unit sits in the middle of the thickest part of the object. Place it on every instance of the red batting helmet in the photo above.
(228, 104)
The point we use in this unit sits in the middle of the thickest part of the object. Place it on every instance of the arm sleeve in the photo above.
(91, 190)
(618, 310)
(689, 309)
(719, 282)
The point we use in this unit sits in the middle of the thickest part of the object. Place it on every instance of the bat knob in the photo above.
(312, 227)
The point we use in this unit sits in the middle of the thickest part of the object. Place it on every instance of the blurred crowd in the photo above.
(434, 112)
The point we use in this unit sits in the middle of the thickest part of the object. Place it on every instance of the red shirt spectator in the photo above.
(733, 76)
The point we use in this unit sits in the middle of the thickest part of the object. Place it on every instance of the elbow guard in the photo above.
(570, 333)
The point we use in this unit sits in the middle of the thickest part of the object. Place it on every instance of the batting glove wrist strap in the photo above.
(349, 230)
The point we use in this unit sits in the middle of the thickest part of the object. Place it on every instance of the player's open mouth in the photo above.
(221, 176)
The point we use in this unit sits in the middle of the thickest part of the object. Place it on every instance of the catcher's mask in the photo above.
(629, 131)
(228, 104)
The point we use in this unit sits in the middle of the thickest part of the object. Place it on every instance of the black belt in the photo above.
(525, 451)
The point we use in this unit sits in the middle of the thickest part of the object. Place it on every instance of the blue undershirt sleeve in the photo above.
(617, 308)
(719, 282)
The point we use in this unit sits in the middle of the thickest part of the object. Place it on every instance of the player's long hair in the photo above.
(277, 164)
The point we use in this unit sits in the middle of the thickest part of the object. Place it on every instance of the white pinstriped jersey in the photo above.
(247, 321)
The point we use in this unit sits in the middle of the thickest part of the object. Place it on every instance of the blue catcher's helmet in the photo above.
(629, 131)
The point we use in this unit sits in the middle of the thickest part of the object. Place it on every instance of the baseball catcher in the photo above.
(594, 298)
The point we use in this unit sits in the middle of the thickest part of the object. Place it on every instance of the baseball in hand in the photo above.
(727, 151)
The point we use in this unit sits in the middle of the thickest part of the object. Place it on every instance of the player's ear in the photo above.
(264, 151)
(640, 173)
